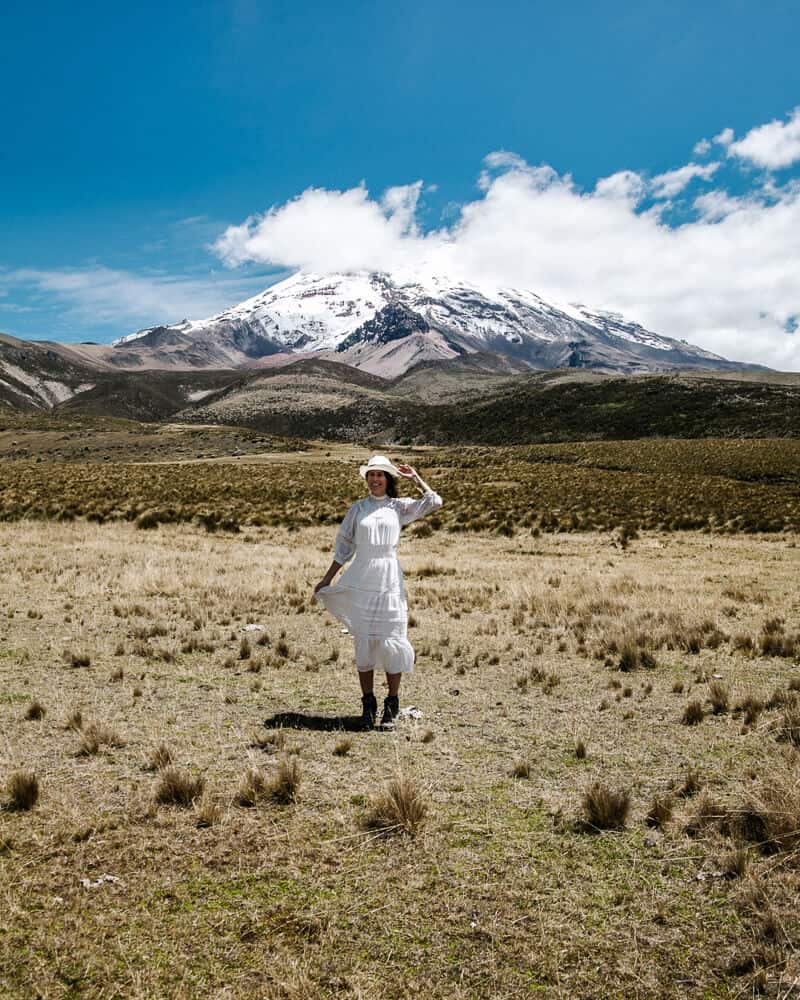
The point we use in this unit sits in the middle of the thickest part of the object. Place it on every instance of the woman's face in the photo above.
(376, 481)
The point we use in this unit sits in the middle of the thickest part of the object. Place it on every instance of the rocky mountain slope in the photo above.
(38, 376)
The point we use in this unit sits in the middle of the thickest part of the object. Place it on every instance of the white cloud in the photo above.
(725, 280)
(725, 137)
(774, 145)
(400, 205)
(674, 181)
(702, 148)
(97, 296)
(328, 231)
(717, 205)
(625, 186)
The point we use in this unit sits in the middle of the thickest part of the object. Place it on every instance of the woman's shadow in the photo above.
(318, 723)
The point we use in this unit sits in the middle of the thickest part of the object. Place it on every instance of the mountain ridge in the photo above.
(388, 323)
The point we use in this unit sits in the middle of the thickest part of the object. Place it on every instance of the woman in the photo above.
(370, 596)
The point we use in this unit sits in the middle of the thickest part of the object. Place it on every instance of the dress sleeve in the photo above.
(346, 537)
(412, 509)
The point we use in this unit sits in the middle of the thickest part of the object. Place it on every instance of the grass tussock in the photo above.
(343, 747)
(74, 720)
(719, 696)
(23, 791)
(270, 742)
(208, 812)
(707, 815)
(252, 788)
(750, 708)
(690, 785)
(400, 809)
(693, 714)
(605, 808)
(770, 818)
(734, 864)
(97, 735)
(77, 660)
(633, 657)
(788, 730)
(178, 787)
(35, 711)
(660, 811)
(160, 758)
(284, 786)
(521, 768)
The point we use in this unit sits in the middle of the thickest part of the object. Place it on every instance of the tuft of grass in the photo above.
(693, 714)
(580, 749)
(550, 682)
(707, 814)
(427, 736)
(77, 659)
(734, 864)
(23, 791)
(752, 706)
(780, 698)
(244, 648)
(177, 787)
(207, 812)
(399, 809)
(74, 720)
(97, 735)
(692, 783)
(284, 786)
(269, 742)
(719, 696)
(159, 758)
(252, 788)
(605, 808)
(521, 768)
(35, 711)
(343, 747)
(789, 729)
(117, 675)
(632, 657)
(660, 811)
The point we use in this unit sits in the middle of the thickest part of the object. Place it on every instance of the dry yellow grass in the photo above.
(105, 892)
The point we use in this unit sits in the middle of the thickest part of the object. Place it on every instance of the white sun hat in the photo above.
(378, 462)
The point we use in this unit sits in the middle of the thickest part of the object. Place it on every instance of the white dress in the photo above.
(370, 596)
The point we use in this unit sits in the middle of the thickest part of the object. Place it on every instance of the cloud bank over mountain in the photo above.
(709, 251)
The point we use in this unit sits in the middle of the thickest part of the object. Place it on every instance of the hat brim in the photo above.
(364, 469)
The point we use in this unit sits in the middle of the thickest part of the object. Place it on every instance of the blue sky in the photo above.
(139, 140)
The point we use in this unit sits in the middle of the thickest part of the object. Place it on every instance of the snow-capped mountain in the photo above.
(385, 323)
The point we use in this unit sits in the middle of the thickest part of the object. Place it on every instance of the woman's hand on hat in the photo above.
(408, 471)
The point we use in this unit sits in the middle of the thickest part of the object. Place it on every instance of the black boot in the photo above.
(391, 709)
(369, 710)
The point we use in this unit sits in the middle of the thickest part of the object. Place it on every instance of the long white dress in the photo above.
(370, 596)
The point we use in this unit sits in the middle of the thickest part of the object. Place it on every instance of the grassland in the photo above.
(601, 790)
(715, 485)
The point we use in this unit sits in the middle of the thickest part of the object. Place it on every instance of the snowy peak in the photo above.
(384, 323)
